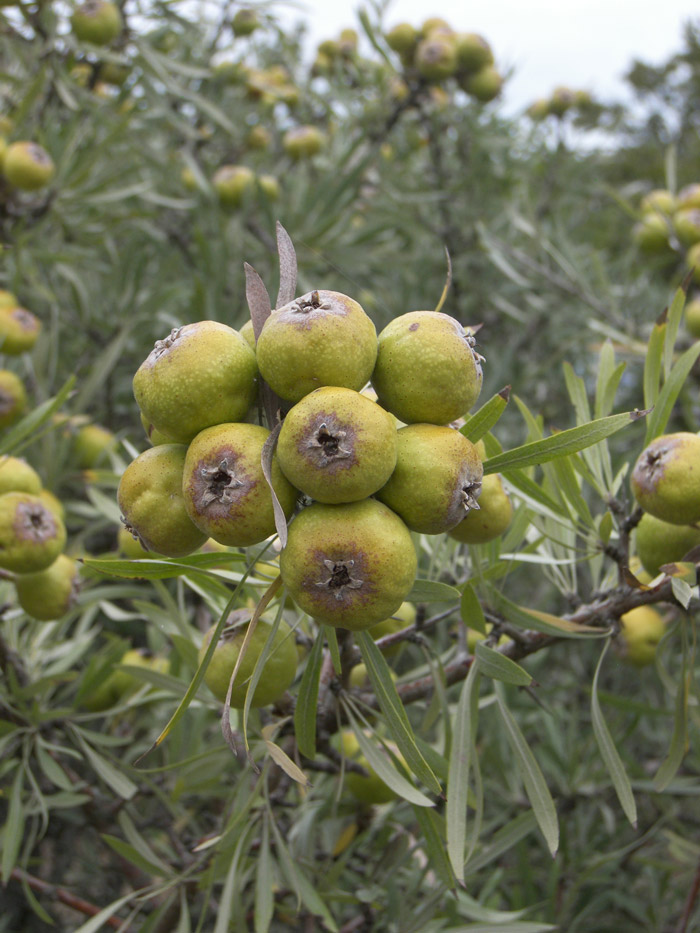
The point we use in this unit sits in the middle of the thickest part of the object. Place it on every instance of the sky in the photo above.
(580, 43)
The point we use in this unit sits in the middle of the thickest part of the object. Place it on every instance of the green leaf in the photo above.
(609, 753)
(496, 665)
(470, 610)
(162, 568)
(658, 419)
(13, 829)
(535, 785)
(524, 926)
(485, 418)
(561, 444)
(383, 685)
(679, 738)
(463, 746)
(121, 785)
(504, 840)
(264, 882)
(430, 591)
(307, 701)
(432, 827)
(652, 363)
(98, 921)
(675, 313)
(129, 853)
(542, 621)
(158, 866)
(299, 883)
(35, 419)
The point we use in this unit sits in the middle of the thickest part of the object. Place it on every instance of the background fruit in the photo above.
(97, 21)
(27, 166)
(492, 517)
(19, 330)
(49, 594)
(31, 536)
(641, 630)
(661, 543)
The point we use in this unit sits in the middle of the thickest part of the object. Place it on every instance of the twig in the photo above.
(690, 902)
(65, 897)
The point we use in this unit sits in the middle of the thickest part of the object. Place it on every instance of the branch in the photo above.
(60, 894)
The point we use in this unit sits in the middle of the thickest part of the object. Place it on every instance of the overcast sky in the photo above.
(580, 43)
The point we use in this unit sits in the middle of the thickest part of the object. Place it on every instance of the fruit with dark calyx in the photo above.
(233, 183)
(303, 142)
(437, 480)
(641, 630)
(323, 338)
(16, 475)
(349, 565)
(692, 317)
(651, 234)
(473, 52)
(337, 446)
(436, 57)
(666, 478)
(92, 445)
(278, 671)
(368, 789)
(19, 330)
(49, 594)
(402, 38)
(492, 518)
(244, 22)
(31, 535)
(686, 223)
(485, 85)
(202, 374)
(660, 201)
(427, 369)
(97, 21)
(152, 504)
(347, 42)
(13, 398)
(225, 492)
(660, 543)
(27, 166)
(404, 617)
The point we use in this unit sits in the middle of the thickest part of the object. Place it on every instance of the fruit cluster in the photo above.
(562, 101)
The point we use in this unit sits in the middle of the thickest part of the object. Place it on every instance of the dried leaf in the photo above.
(288, 267)
(268, 453)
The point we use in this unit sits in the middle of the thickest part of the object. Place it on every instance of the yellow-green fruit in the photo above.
(689, 197)
(27, 166)
(437, 480)
(404, 616)
(666, 478)
(473, 636)
(225, 491)
(350, 565)
(51, 593)
(3, 150)
(686, 223)
(13, 398)
(81, 74)
(692, 317)
(278, 671)
(323, 338)
(248, 333)
(492, 518)
(154, 436)
(258, 138)
(473, 52)
(485, 85)
(538, 110)
(302, 142)
(97, 21)
(202, 374)
(92, 446)
(359, 678)
(562, 100)
(119, 684)
(113, 73)
(16, 475)
(641, 630)
(659, 201)
(322, 65)
(347, 42)
(269, 187)
(329, 48)
(651, 234)
(370, 789)
(435, 24)
(337, 446)
(427, 369)
(660, 543)
(693, 260)
(31, 535)
(436, 57)
(151, 501)
(233, 183)
(19, 330)
(403, 38)
(7, 299)
(53, 503)
(131, 547)
(245, 22)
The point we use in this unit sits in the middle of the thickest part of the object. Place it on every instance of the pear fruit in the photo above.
(402, 38)
(19, 330)
(485, 85)
(16, 475)
(303, 142)
(686, 223)
(27, 166)
(51, 593)
(13, 398)
(651, 234)
(692, 318)
(369, 789)
(244, 22)
(436, 57)
(665, 480)
(233, 183)
(92, 445)
(492, 518)
(641, 630)
(404, 617)
(31, 535)
(660, 542)
(661, 201)
(119, 684)
(97, 21)
(473, 52)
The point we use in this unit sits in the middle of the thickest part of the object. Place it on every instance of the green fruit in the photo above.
(427, 369)
(113, 73)
(403, 38)
(97, 21)
(538, 110)
(53, 503)
(19, 330)
(347, 42)
(492, 518)
(641, 630)
(349, 566)
(661, 201)
(245, 22)
(269, 187)
(120, 684)
(7, 299)
(666, 478)
(370, 789)
(13, 398)
(31, 535)
(131, 546)
(435, 24)
(233, 183)
(485, 85)
(278, 672)
(436, 57)
(92, 445)
(337, 446)
(51, 593)
(202, 374)
(321, 339)
(154, 436)
(473, 52)
(437, 479)
(404, 616)
(562, 100)
(27, 166)
(692, 317)
(152, 504)
(225, 492)
(651, 234)
(249, 334)
(688, 197)
(686, 223)
(693, 260)
(303, 142)
(258, 138)
(16, 475)
(660, 543)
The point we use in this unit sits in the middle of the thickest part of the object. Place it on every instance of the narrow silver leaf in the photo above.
(257, 298)
(288, 267)
(266, 460)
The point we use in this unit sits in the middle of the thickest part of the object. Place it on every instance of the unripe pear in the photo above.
(155, 436)
(437, 480)
(152, 504)
(258, 138)
(692, 317)
(323, 338)
(277, 674)
(660, 201)
(120, 684)
(427, 369)
(19, 330)
(370, 789)
(233, 183)
(485, 85)
(689, 197)
(686, 223)
(347, 42)
(97, 21)
(436, 57)
(403, 38)
(337, 446)
(225, 491)
(131, 546)
(538, 110)
(492, 518)
(249, 334)
(202, 374)
(303, 142)
(7, 299)
(651, 234)
(562, 100)
(27, 166)
(666, 478)
(660, 543)
(244, 22)
(269, 187)
(13, 398)
(49, 594)
(435, 24)
(31, 535)
(113, 73)
(92, 445)
(693, 260)
(641, 630)
(473, 52)
(404, 616)
(16, 475)
(349, 566)
(53, 503)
